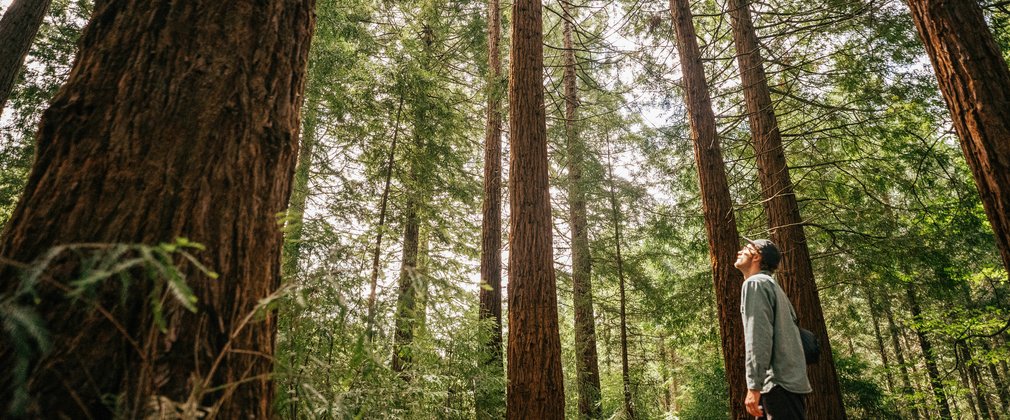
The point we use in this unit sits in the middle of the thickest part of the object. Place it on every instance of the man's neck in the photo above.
(752, 271)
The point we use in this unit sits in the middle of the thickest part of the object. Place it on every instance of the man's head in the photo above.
(758, 255)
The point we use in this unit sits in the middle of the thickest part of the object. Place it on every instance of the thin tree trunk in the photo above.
(884, 358)
(1002, 388)
(717, 206)
(977, 385)
(975, 82)
(586, 364)
(535, 380)
(907, 390)
(381, 226)
(615, 208)
(406, 301)
(421, 281)
(149, 141)
(291, 253)
(18, 27)
(972, 396)
(928, 354)
(490, 402)
(664, 376)
(795, 273)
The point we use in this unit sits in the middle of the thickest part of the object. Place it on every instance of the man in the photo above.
(776, 368)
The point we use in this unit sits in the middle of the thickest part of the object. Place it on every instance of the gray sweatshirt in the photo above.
(774, 350)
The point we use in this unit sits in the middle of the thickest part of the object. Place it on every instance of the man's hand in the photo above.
(751, 402)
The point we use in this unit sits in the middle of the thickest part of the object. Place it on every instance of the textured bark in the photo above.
(177, 120)
(587, 368)
(491, 401)
(899, 354)
(717, 206)
(615, 208)
(535, 380)
(975, 82)
(18, 27)
(795, 273)
(936, 383)
(381, 225)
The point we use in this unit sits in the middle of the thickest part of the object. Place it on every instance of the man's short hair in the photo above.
(770, 255)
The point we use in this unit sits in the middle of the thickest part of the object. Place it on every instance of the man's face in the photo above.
(746, 256)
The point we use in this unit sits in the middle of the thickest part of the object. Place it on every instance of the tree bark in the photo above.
(490, 401)
(975, 82)
(615, 208)
(535, 380)
(928, 354)
(18, 27)
(795, 273)
(381, 226)
(177, 120)
(717, 206)
(586, 364)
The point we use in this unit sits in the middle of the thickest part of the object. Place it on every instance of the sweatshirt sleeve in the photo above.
(756, 305)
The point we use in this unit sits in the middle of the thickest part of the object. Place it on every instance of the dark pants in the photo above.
(780, 404)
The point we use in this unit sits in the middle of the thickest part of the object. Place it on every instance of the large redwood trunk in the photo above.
(975, 82)
(717, 206)
(491, 401)
(535, 381)
(587, 368)
(178, 120)
(795, 273)
(20, 23)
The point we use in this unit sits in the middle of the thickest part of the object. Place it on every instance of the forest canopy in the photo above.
(487, 209)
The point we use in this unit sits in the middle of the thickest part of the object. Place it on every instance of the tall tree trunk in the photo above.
(978, 388)
(975, 82)
(881, 349)
(1002, 389)
(491, 402)
(615, 208)
(421, 281)
(148, 141)
(587, 367)
(406, 300)
(972, 396)
(664, 376)
(907, 390)
(381, 226)
(928, 354)
(18, 27)
(717, 206)
(784, 222)
(535, 380)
